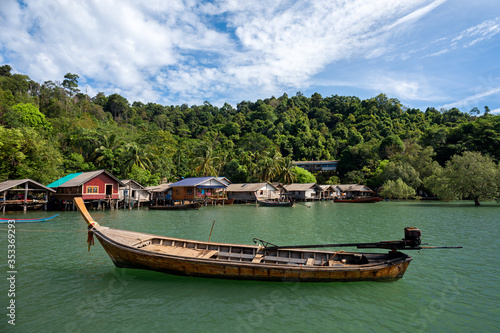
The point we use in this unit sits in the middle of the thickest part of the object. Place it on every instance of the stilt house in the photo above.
(23, 194)
(252, 192)
(93, 186)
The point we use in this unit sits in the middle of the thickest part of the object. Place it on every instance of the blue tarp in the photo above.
(64, 179)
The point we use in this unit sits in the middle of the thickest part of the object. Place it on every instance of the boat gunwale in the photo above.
(397, 260)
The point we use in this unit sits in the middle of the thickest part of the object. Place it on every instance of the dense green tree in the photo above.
(376, 139)
(118, 106)
(5, 70)
(303, 176)
(143, 176)
(24, 153)
(287, 174)
(71, 83)
(333, 180)
(76, 163)
(397, 190)
(25, 114)
(205, 164)
(467, 176)
(390, 146)
(235, 172)
(400, 170)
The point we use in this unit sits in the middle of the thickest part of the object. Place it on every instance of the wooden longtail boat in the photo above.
(43, 219)
(269, 262)
(192, 205)
(270, 203)
(359, 200)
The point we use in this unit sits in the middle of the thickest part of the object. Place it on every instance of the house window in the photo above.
(92, 189)
(189, 191)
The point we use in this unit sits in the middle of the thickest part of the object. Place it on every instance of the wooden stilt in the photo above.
(25, 208)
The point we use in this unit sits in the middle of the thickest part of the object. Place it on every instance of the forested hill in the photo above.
(51, 129)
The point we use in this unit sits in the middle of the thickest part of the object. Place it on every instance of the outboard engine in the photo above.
(412, 236)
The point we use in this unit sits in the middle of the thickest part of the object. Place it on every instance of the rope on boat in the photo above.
(334, 255)
(90, 236)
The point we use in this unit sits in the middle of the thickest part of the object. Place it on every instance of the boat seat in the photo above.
(285, 260)
(180, 251)
(236, 255)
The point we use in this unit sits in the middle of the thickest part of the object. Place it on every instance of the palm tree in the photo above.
(270, 165)
(206, 163)
(133, 155)
(106, 154)
(248, 160)
(287, 175)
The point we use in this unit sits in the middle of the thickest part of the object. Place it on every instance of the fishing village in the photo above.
(102, 190)
(249, 166)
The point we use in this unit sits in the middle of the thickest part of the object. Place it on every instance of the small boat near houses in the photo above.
(263, 261)
(187, 206)
(273, 203)
(358, 200)
(42, 219)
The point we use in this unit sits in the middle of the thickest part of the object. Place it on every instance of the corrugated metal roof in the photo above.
(250, 187)
(125, 182)
(159, 188)
(354, 187)
(77, 179)
(300, 187)
(32, 185)
(315, 162)
(206, 182)
(224, 180)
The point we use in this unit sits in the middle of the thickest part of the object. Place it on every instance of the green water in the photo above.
(60, 287)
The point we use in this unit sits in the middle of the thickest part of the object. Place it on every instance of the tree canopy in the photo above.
(469, 175)
(51, 129)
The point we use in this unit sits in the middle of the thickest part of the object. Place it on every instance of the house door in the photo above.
(109, 190)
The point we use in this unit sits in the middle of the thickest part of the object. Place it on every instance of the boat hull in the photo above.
(359, 200)
(189, 206)
(43, 219)
(123, 256)
(275, 203)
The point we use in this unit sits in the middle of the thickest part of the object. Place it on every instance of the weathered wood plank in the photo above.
(180, 251)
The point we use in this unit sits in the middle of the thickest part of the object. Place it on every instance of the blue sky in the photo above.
(441, 53)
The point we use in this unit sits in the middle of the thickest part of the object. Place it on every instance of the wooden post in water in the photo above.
(129, 193)
(4, 201)
(25, 208)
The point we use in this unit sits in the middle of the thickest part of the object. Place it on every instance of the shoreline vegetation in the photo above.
(52, 129)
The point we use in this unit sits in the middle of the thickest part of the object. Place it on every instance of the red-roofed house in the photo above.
(91, 186)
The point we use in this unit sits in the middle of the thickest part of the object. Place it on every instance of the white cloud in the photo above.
(471, 100)
(180, 51)
(468, 37)
(416, 15)
(480, 32)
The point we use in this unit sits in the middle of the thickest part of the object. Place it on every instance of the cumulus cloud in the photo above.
(182, 51)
